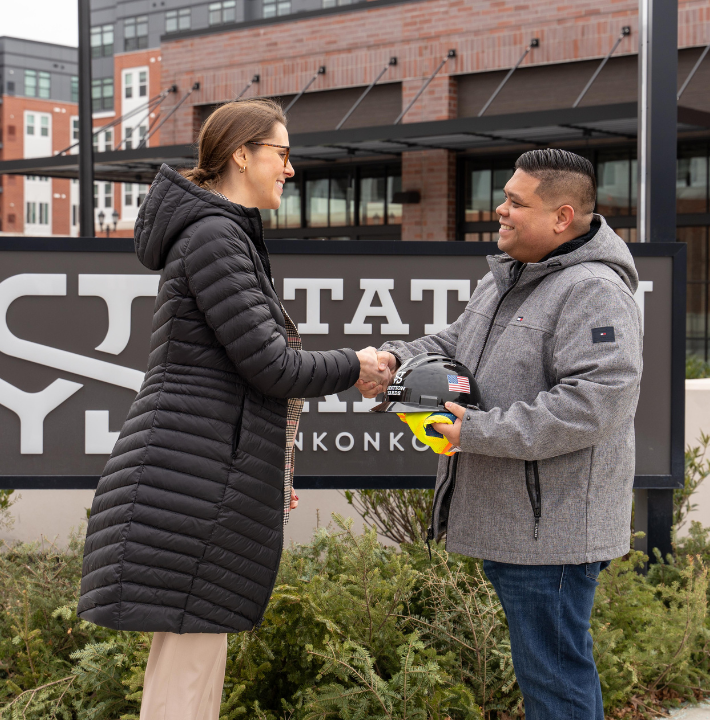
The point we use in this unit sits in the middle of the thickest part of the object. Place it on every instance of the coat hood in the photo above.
(173, 204)
(605, 247)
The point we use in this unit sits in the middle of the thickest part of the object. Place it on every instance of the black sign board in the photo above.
(75, 321)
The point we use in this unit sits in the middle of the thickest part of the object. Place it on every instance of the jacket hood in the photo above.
(605, 247)
(173, 204)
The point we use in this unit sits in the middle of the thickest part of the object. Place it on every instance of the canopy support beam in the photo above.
(626, 30)
(693, 71)
(393, 61)
(254, 80)
(321, 71)
(535, 42)
(451, 54)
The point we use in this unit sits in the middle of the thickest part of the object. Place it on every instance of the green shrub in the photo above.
(357, 630)
(696, 368)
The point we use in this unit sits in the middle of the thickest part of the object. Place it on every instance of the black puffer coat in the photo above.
(186, 530)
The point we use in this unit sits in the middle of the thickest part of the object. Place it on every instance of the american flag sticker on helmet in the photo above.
(458, 383)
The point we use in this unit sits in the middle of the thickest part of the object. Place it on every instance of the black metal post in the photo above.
(657, 157)
(657, 118)
(86, 146)
(660, 521)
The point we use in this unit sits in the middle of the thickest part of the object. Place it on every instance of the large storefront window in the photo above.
(316, 202)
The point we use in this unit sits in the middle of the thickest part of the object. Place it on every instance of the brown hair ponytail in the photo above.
(229, 127)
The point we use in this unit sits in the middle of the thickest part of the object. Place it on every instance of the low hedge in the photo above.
(354, 630)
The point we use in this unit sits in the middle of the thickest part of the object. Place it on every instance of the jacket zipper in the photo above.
(238, 430)
(534, 492)
(430, 532)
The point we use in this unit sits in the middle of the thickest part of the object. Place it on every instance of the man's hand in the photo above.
(374, 371)
(452, 432)
(387, 366)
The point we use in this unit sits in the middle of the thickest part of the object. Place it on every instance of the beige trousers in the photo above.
(184, 677)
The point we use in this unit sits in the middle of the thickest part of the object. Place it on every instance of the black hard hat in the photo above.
(426, 382)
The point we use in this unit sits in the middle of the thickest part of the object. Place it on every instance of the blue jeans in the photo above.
(548, 608)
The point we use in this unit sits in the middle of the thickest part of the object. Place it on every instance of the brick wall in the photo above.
(355, 45)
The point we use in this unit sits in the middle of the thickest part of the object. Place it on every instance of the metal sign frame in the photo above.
(675, 251)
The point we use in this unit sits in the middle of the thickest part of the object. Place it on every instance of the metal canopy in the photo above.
(526, 130)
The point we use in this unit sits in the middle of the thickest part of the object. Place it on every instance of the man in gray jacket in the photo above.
(542, 486)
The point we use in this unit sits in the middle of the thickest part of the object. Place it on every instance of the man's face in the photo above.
(527, 223)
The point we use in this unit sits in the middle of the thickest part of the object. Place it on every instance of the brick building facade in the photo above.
(408, 191)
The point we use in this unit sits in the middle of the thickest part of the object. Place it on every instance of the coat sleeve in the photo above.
(597, 383)
(443, 342)
(222, 277)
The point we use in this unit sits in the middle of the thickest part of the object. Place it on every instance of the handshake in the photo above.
(377, 369)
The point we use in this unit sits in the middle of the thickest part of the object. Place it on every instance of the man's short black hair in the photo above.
(564, 177)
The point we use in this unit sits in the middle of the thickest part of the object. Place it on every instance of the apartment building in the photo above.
(38, 117)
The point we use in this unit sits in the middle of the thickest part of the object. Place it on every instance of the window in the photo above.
(102, 41)
(96, 196)
(135, 33)
(222, 12)
(108, 195)
(102, 94)
(33, 217)
(176, 20)
(75, 89)
(142, 78)
(358, 196)
(614, 183)
(74, 215)
(272, 8)
(75, 129)
(129, 138)
(10, 87)
(31, 83)
(30, 126)
(44, 85)
(44, 126)
(108, 140)
(692, 180)
(333, 3)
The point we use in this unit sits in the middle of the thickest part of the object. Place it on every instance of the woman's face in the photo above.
(265, 174)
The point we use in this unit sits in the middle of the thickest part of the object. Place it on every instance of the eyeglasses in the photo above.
(283, 147)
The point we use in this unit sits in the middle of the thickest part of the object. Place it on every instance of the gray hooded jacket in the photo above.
(546, 470)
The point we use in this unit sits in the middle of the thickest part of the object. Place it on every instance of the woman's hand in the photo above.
(294, 500)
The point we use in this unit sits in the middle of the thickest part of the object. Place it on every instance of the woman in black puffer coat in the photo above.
(186, 528)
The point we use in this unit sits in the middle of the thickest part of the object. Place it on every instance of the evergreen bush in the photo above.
(358, 630)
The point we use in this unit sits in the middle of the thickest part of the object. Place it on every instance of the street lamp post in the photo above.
(102, 217)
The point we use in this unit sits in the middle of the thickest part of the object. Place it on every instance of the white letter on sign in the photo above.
(395, 441)
(313, 286)
(394, 324)
(98, 440)
(33, 408)
(118, 292)
(441, 290)
(332, 404)
(644, 287)
(317, 441)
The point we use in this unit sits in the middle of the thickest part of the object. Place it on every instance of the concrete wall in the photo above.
(697, 419)
(52, 514)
